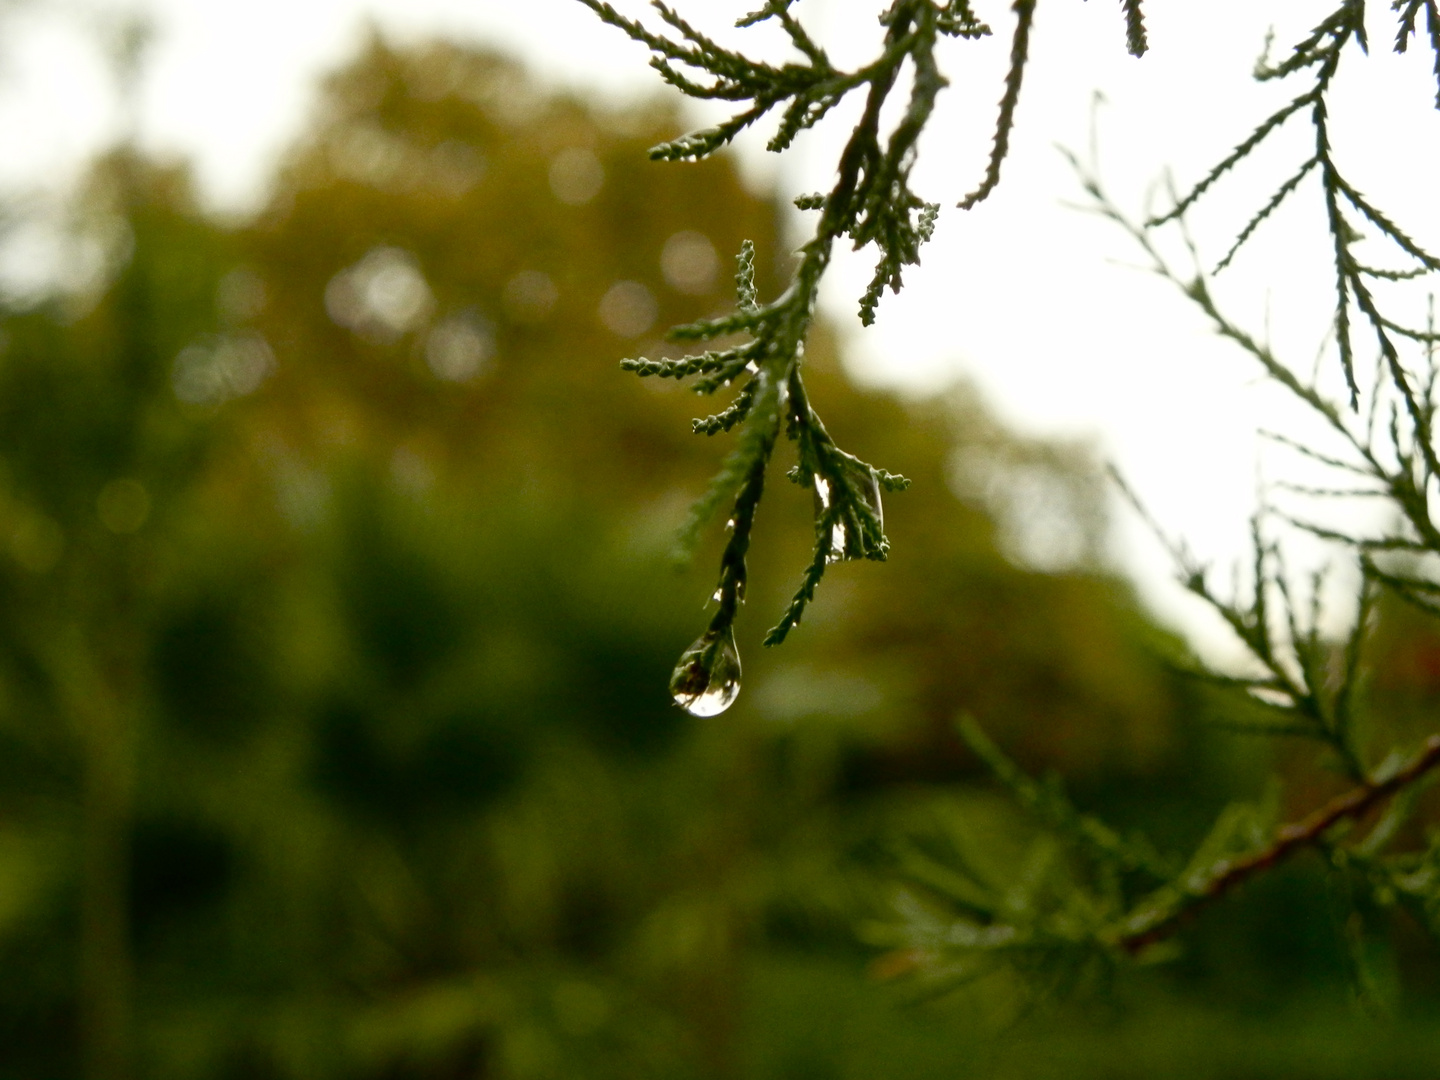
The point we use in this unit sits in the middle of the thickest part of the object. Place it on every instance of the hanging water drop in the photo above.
(822, 492)
(838, 535)
(842, 544)
(706, 681)
(719, 594)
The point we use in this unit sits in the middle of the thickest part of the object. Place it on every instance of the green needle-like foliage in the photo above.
(1088, 896)
(871, 203)
(1299, 681)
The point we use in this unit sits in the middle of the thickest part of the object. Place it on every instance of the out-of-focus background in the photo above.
(336, 615)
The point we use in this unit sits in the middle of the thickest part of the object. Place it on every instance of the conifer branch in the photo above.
(1242, 151)
(871, 203)
(1049, 803)
(1309, 684)
(1409, 10)
(1280, 195)
(1154, 924)
(1014, 77)
(1135, 39)
(1300, 680)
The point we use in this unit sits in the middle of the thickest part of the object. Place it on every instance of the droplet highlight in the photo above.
(719, 594)
(842, 544)
(706, 681)
(838, 533)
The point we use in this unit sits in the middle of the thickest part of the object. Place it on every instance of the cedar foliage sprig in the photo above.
(1409, 13)
(871, 202)
(1349, 216)
(1111, 898)
(1093, 908)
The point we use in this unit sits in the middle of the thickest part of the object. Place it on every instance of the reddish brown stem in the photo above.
(1288, 839)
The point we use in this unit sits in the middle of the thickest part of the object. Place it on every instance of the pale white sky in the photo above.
(1022, 295)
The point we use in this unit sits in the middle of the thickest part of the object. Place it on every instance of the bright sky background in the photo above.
(1022, 295)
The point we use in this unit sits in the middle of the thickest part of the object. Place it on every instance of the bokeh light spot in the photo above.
(576, 176)
(411, 472)
(459, 348)
(36, 543)
(456, 167)
(628, 309)
(529, 296)
(689, 263)
(123, 505)
(219, 368)
(240, 296)
(382, 296)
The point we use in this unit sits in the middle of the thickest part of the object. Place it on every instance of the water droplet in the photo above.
(719, 593)
(706, 681)
(689, 263)
(837, 531)
(752, 367)
(842, 544)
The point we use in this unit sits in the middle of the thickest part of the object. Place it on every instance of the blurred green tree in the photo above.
(335, 733)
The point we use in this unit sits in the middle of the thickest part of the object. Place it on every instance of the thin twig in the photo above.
(1289, 839)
